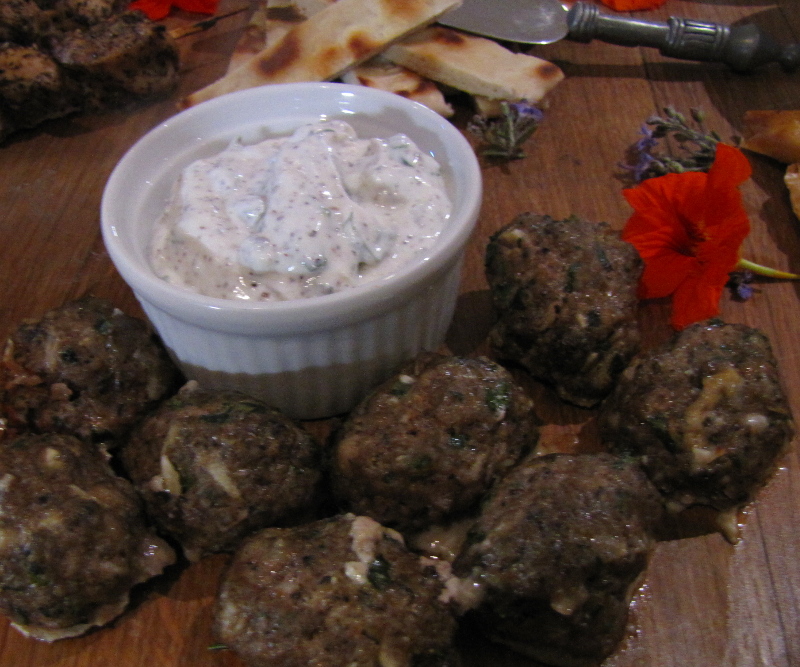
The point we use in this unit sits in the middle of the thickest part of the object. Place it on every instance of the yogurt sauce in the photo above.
(299, 216)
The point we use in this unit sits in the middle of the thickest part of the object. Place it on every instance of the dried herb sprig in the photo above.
(502, 137)
(694, 146)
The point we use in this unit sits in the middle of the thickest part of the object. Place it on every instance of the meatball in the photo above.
(557, 551)
(565, 295)
(73, 539)
(705, 414)
(214, 466)
(339, 591)
(425, 447)
(84, 369)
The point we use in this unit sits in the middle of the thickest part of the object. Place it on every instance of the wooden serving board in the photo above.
(705, 602)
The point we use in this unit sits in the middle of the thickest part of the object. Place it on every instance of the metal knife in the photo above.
(742, 47)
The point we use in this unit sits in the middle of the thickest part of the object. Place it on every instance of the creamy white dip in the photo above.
(299, 216)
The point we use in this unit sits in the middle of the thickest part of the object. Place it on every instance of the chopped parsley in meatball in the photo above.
(73, 538)
(426, 446)
(556, 553)
(565, 295)
(214, 466)
(704, 413)
(338, 591)
(85, 369)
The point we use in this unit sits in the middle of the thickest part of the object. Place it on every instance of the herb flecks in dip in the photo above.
(299, 216)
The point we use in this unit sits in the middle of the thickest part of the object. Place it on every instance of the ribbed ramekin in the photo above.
(312, 357)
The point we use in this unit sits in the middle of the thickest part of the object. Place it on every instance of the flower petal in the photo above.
(155, 10)
(199, 6)
(663, 274)
(697, 298)
(631, 5)
(688, 229)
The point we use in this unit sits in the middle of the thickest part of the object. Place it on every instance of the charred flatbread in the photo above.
(344, 34)
(475, 65)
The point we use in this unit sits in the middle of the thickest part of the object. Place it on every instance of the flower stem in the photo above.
(747, 265)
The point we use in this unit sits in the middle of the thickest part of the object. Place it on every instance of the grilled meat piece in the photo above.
(32, 88)
(74, 537)
(556, 553)
(427, 445)
(119, 60)
(704, 413)
(72, 14)
(21, 21)
(565, 294)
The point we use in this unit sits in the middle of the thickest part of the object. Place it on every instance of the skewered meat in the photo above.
(556, 553)
(59, 57)
(72, 14)
(32, 88)
(428, 444)
(340, 591)
(214, 467)
(124, 58)
(704, 413)
(74, 540)
(21, 21)
(86, 369)
(565, 292)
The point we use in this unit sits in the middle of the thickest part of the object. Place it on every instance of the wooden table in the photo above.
(706, 602)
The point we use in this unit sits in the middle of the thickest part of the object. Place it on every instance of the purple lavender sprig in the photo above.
(693, 147)
(502, 137)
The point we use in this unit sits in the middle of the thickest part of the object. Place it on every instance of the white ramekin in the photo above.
(312, 357)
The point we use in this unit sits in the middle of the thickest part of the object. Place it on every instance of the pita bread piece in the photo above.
(321, 48)
(775, 134)
(475, 65)
(252, 41)
(382, 74)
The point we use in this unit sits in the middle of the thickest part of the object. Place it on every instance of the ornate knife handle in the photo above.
(741, 47)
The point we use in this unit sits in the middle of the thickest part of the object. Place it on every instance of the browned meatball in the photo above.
(556, 552)
(214, 466)
(340, 591)
(74, 541)
(86, 369)
(425, 447)
(705, 414)
(565, 295)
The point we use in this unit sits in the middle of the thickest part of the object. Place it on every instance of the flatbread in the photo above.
(475, 65)
(382, 74)
(277, 17)
(252, 41)
(775, 134)
(343, 34)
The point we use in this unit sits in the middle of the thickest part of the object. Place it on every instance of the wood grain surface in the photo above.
(705, 602)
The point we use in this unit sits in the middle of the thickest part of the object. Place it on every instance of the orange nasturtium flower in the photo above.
(688, 228)
(158, 9)
(632, 5)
